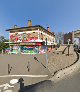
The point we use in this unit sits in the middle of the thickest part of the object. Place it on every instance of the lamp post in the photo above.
(46, 45)
(68, 45)
(46, 52)
(53, 44)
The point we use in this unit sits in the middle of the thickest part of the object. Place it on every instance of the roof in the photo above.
(30, 28)
(77, 30)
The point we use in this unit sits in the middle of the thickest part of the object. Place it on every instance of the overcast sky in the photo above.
(61, 15)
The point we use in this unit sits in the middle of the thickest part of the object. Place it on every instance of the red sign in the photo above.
(31, 39)
(38, 44)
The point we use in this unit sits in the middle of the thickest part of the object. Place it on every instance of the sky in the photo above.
(60, 15)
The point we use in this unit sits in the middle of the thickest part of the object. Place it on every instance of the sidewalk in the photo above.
(60, 61)
(69, 71)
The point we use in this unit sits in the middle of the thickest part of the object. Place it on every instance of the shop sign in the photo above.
(39, 44)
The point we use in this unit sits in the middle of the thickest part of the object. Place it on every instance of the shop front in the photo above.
(27, 48)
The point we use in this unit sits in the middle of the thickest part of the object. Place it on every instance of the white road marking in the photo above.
(8, 91)
(5, 86)
(23, 76)
(13, 81)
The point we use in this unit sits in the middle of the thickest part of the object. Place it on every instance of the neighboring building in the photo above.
(77, 37)
(74, 37)
(31, 37)
(68, 36)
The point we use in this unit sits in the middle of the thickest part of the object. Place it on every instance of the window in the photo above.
(41, 36)
(24, 36)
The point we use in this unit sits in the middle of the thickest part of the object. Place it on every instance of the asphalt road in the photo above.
(44, 86)
(69, 84)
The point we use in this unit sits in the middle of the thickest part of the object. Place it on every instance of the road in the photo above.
(69, 84)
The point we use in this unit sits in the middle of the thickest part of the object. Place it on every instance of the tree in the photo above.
(3, 45)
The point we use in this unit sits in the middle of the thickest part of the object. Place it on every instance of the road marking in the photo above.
(14, 81)
(23, 76)
(5, 86)
(8, 91)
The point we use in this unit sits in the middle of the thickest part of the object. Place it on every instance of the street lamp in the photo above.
(46, 52)
(46, 44)
(68, 45)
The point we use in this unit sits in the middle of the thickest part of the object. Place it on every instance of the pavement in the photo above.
(58, 61)
(68, 84)
(65, 80)
(28, 70)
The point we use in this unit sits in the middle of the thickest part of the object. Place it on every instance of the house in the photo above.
(31, 37)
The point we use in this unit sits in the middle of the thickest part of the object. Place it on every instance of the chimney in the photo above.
(29, 23)
(48, 28)
(15, 26)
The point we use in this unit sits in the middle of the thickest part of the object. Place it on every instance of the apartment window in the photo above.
(24, 36)
(41, 36)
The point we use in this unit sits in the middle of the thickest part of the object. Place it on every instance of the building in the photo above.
(30, 39)
(70, 36)
(74, 37)
(77, 37)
